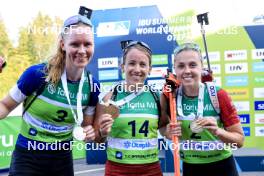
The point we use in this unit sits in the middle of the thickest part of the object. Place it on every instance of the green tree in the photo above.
(43, 33)
(39, 38)
(37, 41)
(5, 43)
(5, 50)
(26, 44)
(16, 65)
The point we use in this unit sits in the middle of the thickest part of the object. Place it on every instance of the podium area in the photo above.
(247, 159)
(83, 169)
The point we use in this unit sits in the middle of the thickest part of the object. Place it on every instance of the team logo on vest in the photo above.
(119, 155)
(32, 132)
(51, 88)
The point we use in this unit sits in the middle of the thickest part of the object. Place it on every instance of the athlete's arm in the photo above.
(7, 104)
(102, 122)
(88, 128)
(89, 113)
(2, 61)
(232, 132)
(231, 135)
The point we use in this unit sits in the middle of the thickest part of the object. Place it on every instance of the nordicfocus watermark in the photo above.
(124, 87)
(75, 29)
(56, 146)
(198, 145)
(56, 29)
(162, 145)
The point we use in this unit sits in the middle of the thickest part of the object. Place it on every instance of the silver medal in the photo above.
(78, 133)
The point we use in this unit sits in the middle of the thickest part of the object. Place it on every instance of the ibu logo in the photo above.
(119, 155)
(244, 118)
(259, 105)
(115, 28)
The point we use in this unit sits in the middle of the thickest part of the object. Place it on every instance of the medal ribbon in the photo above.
(200, 101)
(79, 116)
(126, 99)
(123, 101)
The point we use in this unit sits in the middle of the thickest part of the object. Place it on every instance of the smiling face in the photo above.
(136, 66)
(78, 45)
(188, 68)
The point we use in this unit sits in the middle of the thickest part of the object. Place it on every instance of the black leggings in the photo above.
(41, 163)
(224, 167)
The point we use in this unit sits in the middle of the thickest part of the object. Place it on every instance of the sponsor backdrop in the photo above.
(8, 138)
(236, 54)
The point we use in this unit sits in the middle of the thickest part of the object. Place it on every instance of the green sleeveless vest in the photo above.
(202, 147)
(133, 138)
(49, 118)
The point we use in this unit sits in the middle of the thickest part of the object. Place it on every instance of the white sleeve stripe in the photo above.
(16, 94)
(90, 110)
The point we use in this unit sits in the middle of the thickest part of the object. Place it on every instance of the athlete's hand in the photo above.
(2, 61)
(105, 124)
(173, 129)
(90, 133)
(210, 124)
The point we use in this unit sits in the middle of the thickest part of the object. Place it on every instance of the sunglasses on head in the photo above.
(129, 43)
(83, 17)
(187, 46)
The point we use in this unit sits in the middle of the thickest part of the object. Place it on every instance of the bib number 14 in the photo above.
(143, 129)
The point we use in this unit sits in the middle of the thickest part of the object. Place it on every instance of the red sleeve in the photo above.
(228, 112)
